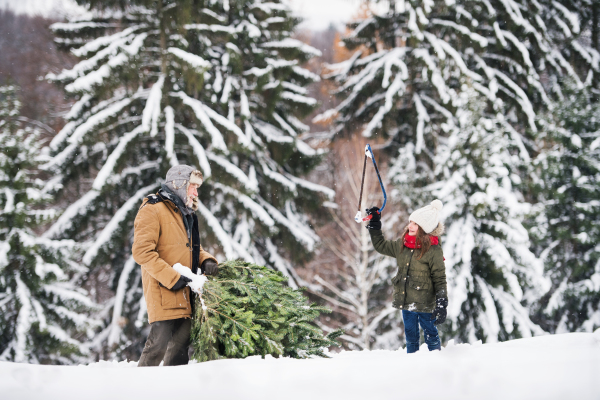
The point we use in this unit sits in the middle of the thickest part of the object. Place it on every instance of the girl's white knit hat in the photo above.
(427, 217)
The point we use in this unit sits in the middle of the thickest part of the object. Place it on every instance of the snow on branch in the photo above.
(289, 43)
(297, 98)
(115, 331)
(231, 248)
(462, 29)
(78, 134)
(102, 41)
(77, 108)
(198, 150)
(256, 210)
(280, 263)
(272, 134)
(459, 61)
(65, 221)
(522, 98)
(199, 110)
(24, 321)
(301, 232)
(89, 64)
(571, 16)
(170, 136)
(152, 109)
(513, 313)
(111, 161)
(250, 184)
(96, 77)
(489, 318)
(422, 117)
(115, 223)
(78, 26)
(211, 28)
(199, 63)
(313, 186)
(306, 74)
(227, 124)
(276, 176)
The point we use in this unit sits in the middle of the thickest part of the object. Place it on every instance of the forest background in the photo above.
(491, 107)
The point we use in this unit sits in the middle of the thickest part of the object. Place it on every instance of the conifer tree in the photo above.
(495, 277)
(405, 82)
(42, 313)
(566, 230)
(249, 310)
(211, 83)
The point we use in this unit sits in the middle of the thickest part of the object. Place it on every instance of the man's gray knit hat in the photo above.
(179, 179)
(428, 218)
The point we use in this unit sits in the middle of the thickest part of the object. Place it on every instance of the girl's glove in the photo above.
(439, 313)
(375, 221)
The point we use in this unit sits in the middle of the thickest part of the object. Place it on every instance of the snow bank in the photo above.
(548, 367)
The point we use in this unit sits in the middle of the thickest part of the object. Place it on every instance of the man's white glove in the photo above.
(196, 281)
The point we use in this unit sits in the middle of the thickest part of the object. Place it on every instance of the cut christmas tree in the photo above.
(248, 310)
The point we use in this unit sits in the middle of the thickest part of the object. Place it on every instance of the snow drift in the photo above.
(546, 367)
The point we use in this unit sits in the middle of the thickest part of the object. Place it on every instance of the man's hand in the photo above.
(375, 221)
(210, 267)
(439, 313)
(181, 282)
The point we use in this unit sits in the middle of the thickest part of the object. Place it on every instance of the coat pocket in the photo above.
(418, 285)
(172, 299)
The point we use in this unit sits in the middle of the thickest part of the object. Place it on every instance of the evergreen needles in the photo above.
(248, 310)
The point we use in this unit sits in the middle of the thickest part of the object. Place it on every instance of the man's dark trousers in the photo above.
(168, 341)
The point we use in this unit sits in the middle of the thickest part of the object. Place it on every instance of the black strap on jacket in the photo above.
(157, 198)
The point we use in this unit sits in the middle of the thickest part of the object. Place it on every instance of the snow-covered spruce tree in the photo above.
(42, 313)
(212, 83)
(494, 278)
(566, 230)
(404, 83)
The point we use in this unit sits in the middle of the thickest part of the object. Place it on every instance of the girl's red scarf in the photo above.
(411, 241)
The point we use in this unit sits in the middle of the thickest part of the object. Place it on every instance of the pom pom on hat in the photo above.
(427, 217)
(437, 205)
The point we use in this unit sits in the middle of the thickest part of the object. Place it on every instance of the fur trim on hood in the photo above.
(439, 230)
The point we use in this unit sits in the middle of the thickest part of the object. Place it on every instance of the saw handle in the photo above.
(370, 216)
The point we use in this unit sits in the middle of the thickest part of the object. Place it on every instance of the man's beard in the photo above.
(190, 201)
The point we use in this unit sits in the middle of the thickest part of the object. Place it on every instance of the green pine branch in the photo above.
(249, 310)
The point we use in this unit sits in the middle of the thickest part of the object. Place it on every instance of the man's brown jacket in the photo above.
(161, 241)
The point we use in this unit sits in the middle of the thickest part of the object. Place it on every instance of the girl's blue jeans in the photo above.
(412, 320)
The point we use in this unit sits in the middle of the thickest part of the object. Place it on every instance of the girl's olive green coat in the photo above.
(418, 282)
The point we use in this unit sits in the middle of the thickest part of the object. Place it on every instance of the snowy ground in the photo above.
(549, 367)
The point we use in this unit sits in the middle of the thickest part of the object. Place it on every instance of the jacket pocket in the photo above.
(172, 299)
(418, 285)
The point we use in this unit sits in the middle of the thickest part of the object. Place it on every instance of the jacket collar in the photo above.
(168, 194)
(186, 213)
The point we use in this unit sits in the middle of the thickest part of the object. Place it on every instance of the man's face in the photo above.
(192, 193)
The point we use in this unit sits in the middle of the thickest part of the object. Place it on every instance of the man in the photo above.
(166, 233)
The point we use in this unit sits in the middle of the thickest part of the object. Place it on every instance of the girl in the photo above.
(420, 284)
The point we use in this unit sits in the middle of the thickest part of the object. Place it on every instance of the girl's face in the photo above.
(413, 228)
